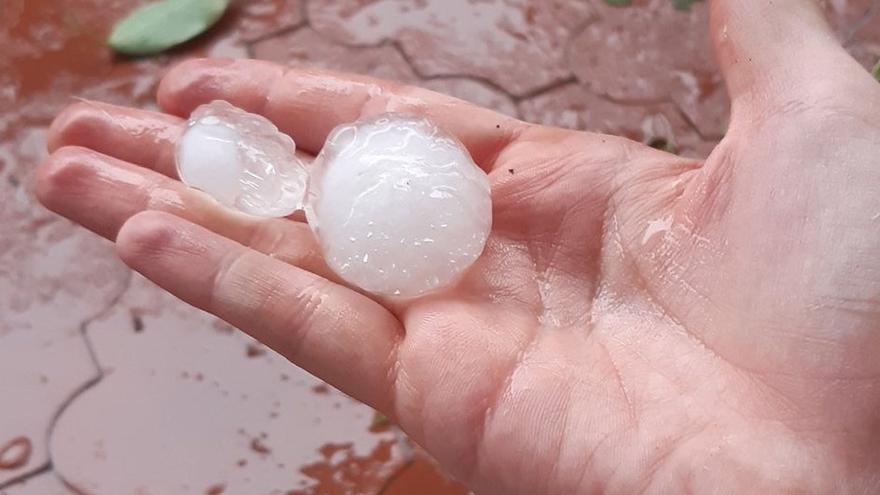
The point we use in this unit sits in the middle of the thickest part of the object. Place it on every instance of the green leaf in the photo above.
(380, 419)
(618, 3)
(876, 71)
(683, 4)
(158, 26)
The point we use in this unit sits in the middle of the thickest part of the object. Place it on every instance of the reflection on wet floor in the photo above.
(143, 394)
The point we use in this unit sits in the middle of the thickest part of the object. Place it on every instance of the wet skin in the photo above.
(639, 322)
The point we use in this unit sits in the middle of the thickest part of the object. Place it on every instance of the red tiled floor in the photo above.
(846, 16)
(573, 106)
(865, 42)
(262, 19)
(619, 55)
(185, 420)
(421, 477)
(520, 45)
(45, 484)
(184, 404)
(308, 48)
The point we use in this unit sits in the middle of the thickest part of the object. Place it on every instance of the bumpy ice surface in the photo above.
(399, 207)
(241, 160)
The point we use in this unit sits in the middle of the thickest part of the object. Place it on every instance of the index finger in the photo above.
(309, 103)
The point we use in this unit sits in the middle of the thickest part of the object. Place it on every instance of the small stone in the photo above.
(386, 182)
(242, 160)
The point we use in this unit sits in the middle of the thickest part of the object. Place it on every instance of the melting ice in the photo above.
(241, 160)
(398, 206)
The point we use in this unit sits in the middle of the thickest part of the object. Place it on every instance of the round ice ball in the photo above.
(242, 160)
(399, 206)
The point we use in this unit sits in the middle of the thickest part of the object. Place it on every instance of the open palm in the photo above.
(639, 322)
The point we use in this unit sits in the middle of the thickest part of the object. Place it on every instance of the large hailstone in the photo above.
(398, 206)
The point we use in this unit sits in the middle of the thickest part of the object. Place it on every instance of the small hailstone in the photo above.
(241, 160)
(388, 183)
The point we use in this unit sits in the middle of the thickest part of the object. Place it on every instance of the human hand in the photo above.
(639, 322)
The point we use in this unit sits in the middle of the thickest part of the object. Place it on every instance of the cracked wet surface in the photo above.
(261, 418)
(216, 413)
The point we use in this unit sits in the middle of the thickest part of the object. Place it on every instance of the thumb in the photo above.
(774, 52)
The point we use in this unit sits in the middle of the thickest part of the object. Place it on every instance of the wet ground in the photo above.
(110, 387)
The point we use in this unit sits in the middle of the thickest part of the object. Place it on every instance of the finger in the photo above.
(102, 193)
(337, 334)
(136, 136)
(144, 138)
(308, 104)
(776, 50)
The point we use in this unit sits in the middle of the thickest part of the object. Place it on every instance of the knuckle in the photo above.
(68, 126)
(303, 310)
(147, 234)
(64, 171)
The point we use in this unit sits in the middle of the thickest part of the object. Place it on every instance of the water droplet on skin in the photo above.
(656, 227)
